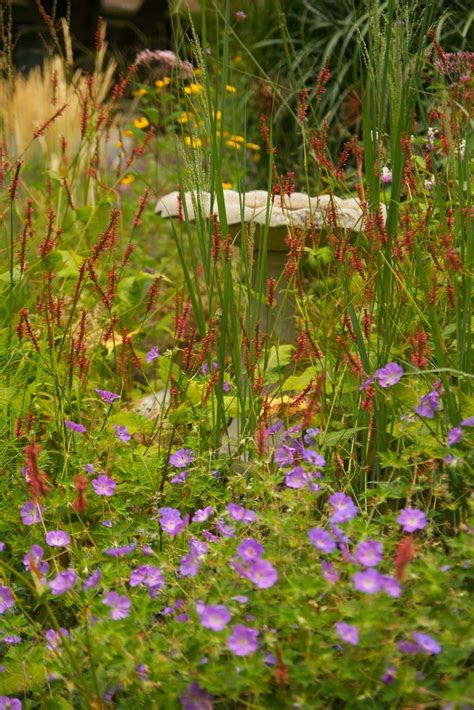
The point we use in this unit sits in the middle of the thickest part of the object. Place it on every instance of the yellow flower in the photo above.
(233, 144)
(141, 122)
(237, 59)
(253, 146)
(227, 186)
(193, 142)
(139, 92)
(128, 133)
(218, 115)
(118, 144)
(198, 72)
(166, 80)
(127, 180)
(238, 139)
(193, 89)
(230, 89)
(185, 117)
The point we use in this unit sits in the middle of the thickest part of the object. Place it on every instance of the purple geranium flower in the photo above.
(344, 508)
(12, 639)
(63, 582)
(455, 435)
(468, 422)
(119, 605)
(197, 548)
(196, 698)
(369, 553)
(31, 512)
(189, 565)
(6, 599)
(428, 405)
(240, 16)
(122, 433)
(153, 354)
(250, 550)
(201, 515)
(241, 514)
(329, 572)
(262, 574)
(74, 426)
(389, 375)
(54, 638)
(214, 616)
(179, 478)
(389, 675)
(408, 647)
(58, 538)
(103, 485)
(34, 556)
(142, 671)
(7, 703)
(243, 640)
(285, 456)
(121, 551)
(347, 633)
(274, 428)
(412, 519)
(310, 436)
(93, 580)
(313, 458)
(339, 534)
(391, 586)
(297, 478)
(171, 521)
(369, 581)
(107, 396)
(322, 540)
(426, 643)
(148, 575)
(182, 457)
(223, 529)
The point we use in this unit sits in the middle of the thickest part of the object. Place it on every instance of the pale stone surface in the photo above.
(298, 209)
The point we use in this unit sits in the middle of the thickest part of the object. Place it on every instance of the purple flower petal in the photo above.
(107, 396)
(412, 519)
(74, 426)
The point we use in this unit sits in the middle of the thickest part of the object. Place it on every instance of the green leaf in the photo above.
(336, 437)
(299, 382)
(279, 358)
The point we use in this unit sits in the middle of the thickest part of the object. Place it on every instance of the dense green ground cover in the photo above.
(279, 525)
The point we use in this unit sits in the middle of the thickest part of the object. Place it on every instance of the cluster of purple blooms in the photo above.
(180, 459)
(368, 553)
(252, 566)
(242, 641)
(428, 404)
(297, 455)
